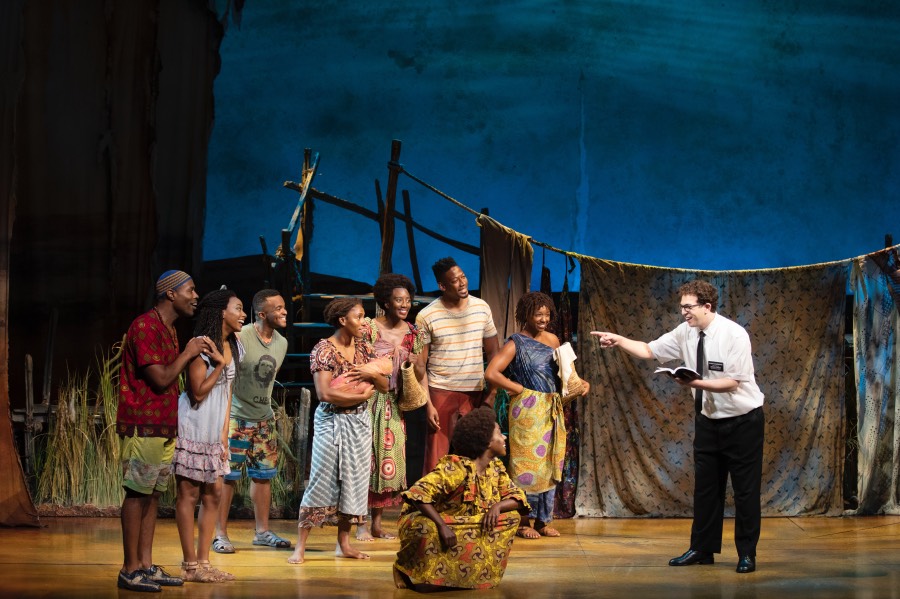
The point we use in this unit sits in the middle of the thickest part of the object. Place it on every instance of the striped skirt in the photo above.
(339, 471)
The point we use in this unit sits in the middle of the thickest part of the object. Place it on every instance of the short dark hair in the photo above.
(386, 284)
(530, 303)
(338, 308)
(704, 292)
(441, 267)
(473, 432)
(260, 299)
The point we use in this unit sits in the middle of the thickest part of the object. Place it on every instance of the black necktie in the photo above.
(701, 359)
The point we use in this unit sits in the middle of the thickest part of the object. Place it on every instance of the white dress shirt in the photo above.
(727, 351)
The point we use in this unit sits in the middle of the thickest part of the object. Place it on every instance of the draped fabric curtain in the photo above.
(876, 295)
(568, 487)
(637, 427)
(506, 259)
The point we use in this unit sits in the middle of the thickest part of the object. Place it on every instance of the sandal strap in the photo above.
(269, 538)
(219, 575)
(192, 572)
(222, 544)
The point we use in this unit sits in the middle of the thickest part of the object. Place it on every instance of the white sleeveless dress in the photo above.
(198, 449)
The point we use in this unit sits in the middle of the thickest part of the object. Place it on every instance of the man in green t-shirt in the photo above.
(251, 436)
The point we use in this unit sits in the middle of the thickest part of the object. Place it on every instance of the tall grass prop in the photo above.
(79, 460)
(60, 481)
(284, 486)
(105, 488)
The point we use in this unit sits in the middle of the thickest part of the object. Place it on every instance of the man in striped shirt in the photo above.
(459, 332)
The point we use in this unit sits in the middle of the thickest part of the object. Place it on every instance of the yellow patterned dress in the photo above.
(462, 498)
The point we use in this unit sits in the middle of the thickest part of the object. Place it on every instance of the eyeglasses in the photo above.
(689, 307)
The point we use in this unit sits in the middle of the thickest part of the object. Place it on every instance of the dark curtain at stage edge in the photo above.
(876, 326)
(637, 427)
(111, 126)
(16, 507)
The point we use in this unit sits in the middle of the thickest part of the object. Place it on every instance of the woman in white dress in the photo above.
(201, 457)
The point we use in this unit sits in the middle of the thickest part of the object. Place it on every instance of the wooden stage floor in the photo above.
(819, 558)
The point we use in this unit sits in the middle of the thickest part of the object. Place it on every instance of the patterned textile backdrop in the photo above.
(566, 490)
(876, 325)
(637, 427)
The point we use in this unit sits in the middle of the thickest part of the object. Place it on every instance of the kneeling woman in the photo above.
(338, 488)
(459, 520)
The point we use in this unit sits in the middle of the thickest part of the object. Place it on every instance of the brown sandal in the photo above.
(192, 572)
(219, 575)
(527, 532)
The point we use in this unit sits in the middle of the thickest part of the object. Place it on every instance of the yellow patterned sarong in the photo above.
(537, 440)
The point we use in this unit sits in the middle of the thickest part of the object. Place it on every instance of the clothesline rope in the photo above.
(572, 254)
(472, 210)
(438, 191)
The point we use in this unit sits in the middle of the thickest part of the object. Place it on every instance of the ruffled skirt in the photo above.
(200, 461)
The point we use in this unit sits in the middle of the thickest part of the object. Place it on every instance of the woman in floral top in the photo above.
(337, 493)
(459, 520)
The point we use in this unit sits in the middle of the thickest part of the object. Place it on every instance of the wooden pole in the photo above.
(29, 415)
(387, 237)
(287, 271)
(379, 203)
(413, 259)
(267, 262)
(301, 437)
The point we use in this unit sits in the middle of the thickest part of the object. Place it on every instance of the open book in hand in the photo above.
(682, 372)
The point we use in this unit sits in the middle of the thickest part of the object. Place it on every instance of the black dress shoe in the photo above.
(692, 557)
(746, 564)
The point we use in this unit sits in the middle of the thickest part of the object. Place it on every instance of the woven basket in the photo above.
(413, 396)
(575, 387)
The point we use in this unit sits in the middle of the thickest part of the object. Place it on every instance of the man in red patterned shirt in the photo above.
(147, 422)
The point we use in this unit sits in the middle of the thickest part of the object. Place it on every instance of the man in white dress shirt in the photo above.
(729, 426)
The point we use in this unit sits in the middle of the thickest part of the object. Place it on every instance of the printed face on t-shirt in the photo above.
(265, 370)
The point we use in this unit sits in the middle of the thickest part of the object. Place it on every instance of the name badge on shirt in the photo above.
(718, 366)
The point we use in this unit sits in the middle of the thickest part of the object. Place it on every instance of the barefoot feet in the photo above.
(349, 552)
(363, 534)
(401, 580)
(380, 533)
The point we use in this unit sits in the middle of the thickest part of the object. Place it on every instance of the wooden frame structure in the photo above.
(292, 259)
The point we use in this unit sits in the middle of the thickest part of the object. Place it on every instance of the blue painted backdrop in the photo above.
(695, 134)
